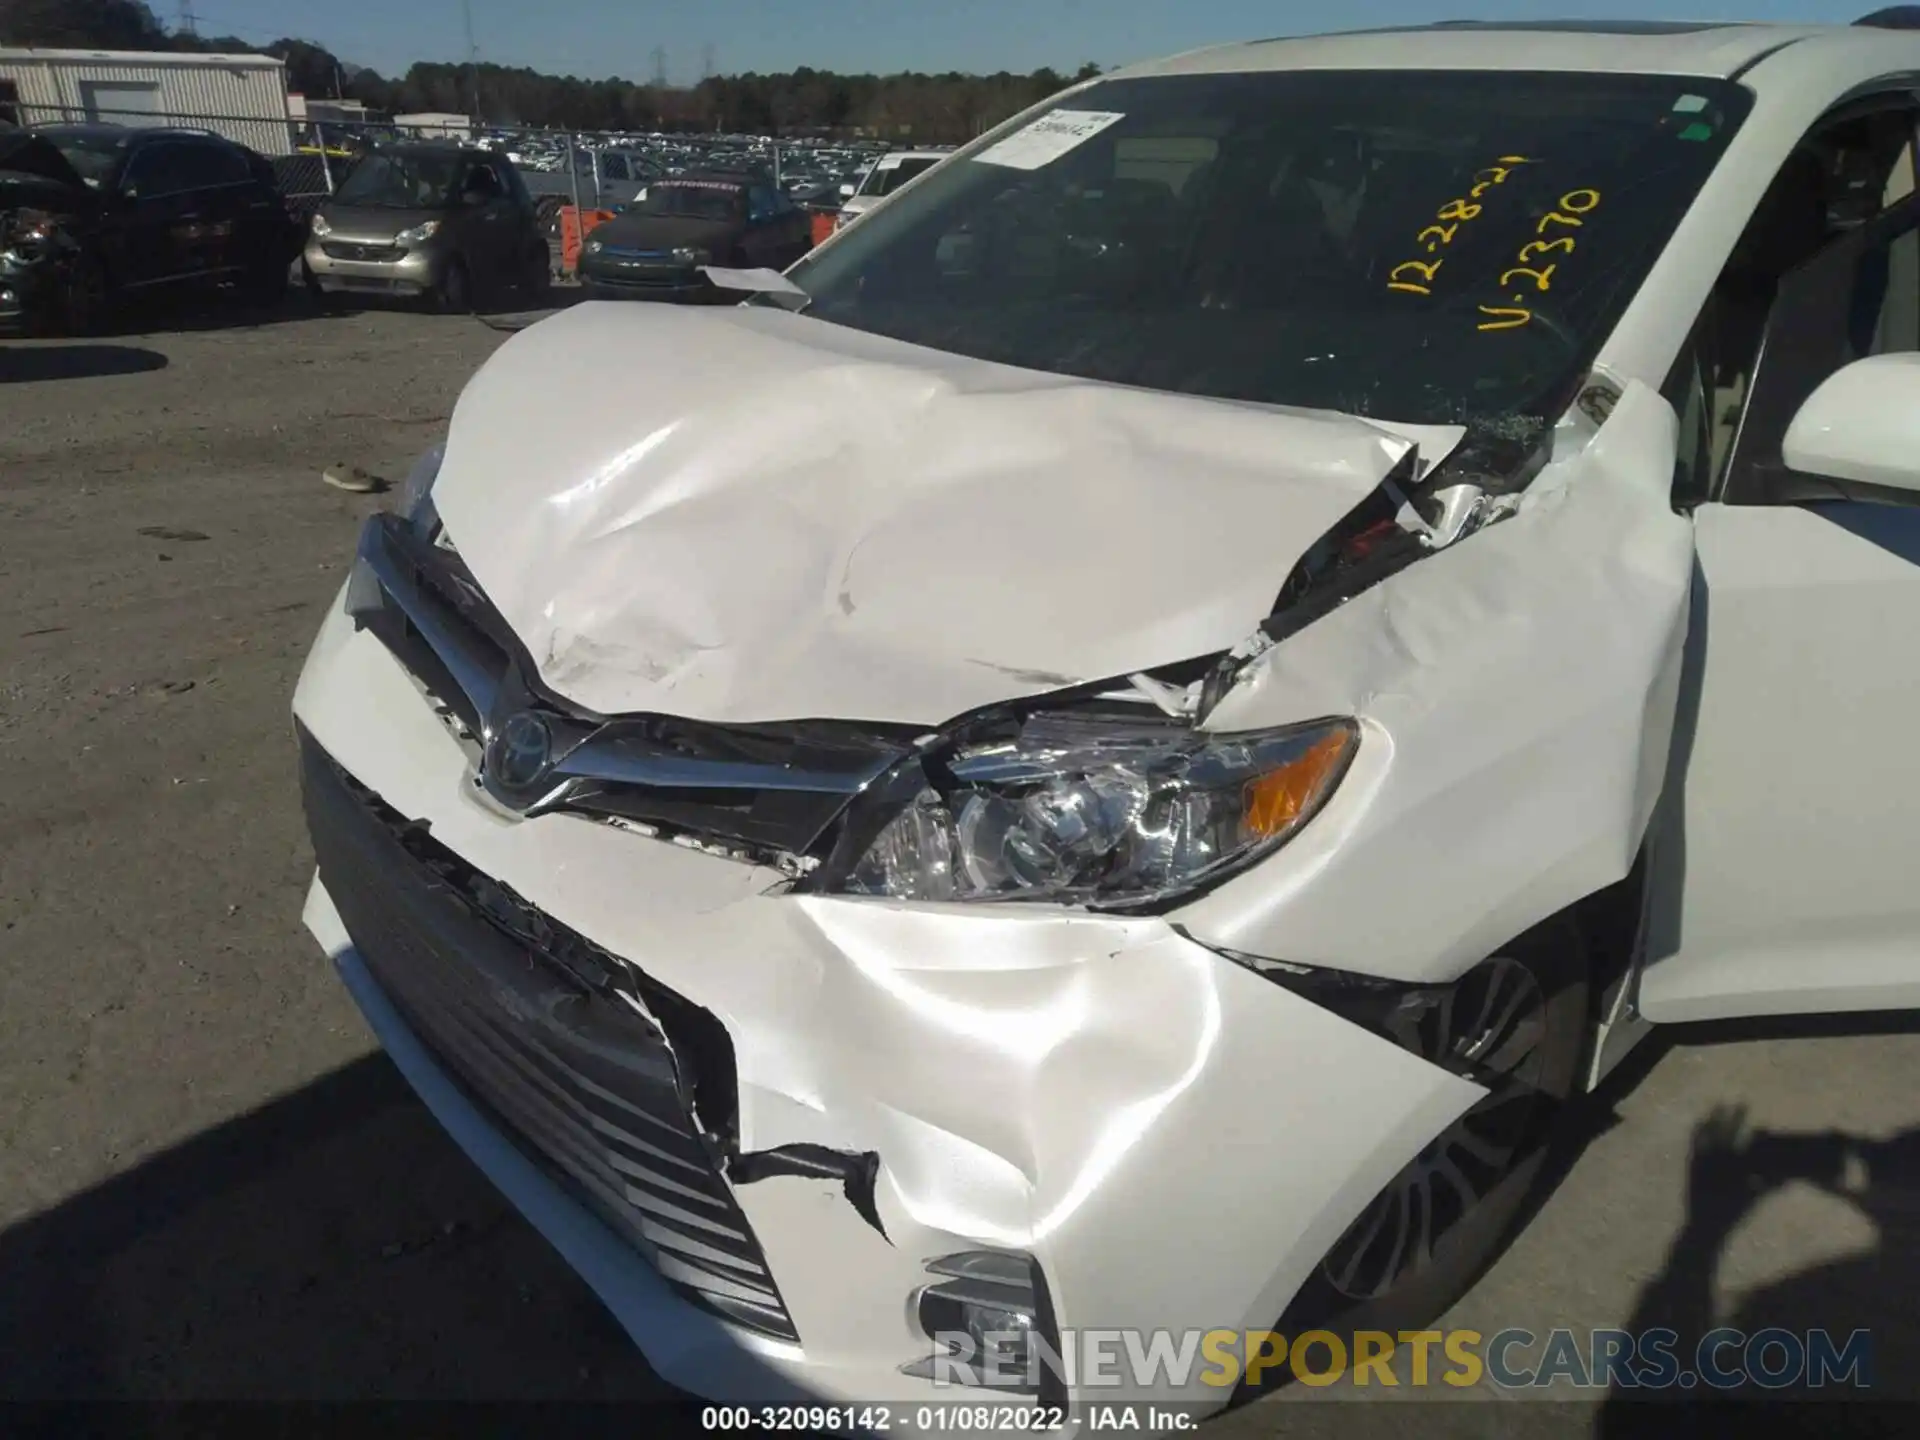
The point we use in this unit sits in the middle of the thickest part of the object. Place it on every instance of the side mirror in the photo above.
(1862, 424)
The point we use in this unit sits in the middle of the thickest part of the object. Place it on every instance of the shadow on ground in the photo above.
(331, 1246)
(1732, 1169)
(24, 364)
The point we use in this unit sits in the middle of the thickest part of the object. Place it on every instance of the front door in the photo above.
(1784, 865)
(161, 225)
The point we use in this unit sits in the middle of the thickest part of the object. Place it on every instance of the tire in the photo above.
(1361, 1283)
(454, 294)
(86, 299)
(266, 283)
(537, 287)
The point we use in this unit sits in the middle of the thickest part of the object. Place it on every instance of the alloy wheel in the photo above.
(1489, 1027)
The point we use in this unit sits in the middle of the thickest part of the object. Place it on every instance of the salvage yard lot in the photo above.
(210, 1184)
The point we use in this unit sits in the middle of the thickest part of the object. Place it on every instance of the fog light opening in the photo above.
(985, 1321)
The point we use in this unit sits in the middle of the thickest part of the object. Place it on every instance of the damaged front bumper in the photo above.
(1173, 1140)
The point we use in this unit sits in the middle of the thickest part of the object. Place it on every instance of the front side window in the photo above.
(157, 170)
(1851, 289)
(1429, 247)
(94, 156)
(205, 166)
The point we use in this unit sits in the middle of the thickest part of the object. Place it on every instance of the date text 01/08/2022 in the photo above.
(879, 1419)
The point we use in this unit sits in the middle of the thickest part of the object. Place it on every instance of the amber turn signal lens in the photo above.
(1276, 801)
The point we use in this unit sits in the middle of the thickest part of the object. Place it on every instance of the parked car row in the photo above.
(91, 215)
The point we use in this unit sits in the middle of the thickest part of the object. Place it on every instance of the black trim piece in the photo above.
(857, 1172)
(1745, 67)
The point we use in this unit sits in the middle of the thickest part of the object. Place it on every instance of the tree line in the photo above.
(945, 108)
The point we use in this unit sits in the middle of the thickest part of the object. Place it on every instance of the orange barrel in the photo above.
(575, 225)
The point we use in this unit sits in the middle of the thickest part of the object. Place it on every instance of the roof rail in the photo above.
(1894, 17)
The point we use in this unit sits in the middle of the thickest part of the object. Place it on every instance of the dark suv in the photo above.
(104, 211)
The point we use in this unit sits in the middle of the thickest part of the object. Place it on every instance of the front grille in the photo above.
(641, 279)
(348, 250)
(619, 1089)
(770, 794)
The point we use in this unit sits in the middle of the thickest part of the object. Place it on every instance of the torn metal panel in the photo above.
(857, 1173)
(1516, 692)
(748, 515)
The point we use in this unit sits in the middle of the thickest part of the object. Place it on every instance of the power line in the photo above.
(473, 55)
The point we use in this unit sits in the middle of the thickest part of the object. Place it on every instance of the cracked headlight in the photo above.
(1092, 807)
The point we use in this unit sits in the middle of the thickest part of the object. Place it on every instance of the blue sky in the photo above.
(600, 38)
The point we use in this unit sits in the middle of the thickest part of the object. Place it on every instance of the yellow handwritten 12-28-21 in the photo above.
(1449, 218)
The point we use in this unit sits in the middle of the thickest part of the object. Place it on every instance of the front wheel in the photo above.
(1516, 1024)
(266, 282)
(85, 298)
(454, 294)
(537, 278)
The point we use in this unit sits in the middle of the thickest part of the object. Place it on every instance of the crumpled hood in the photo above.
(748, 515)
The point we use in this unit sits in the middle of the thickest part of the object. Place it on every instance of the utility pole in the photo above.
(659, 67)
(473, 57)
(188, 24)
(707, 62)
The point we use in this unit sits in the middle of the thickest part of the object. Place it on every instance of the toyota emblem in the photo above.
(521, 752)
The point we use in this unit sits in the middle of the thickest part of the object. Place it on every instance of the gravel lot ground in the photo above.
(212, 1187)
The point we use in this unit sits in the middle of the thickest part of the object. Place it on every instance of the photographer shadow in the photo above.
(1731, 1172)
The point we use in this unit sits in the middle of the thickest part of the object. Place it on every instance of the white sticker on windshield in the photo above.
(1048, 138)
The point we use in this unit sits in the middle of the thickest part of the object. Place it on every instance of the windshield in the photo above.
(884, 180)
(92, 156)
(690, 200)
(396, 180)
(1424, 246)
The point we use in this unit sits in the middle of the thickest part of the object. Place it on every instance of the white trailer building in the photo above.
(436, 125)
(243, 97)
